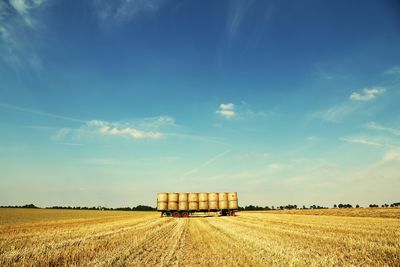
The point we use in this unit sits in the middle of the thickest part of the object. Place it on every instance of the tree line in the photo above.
(335, 206)
(137, 208)
(249, 207)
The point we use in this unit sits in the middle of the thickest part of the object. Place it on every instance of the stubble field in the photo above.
(367, 237)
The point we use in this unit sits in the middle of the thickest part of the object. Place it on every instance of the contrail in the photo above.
(206, 163)
(38, 112)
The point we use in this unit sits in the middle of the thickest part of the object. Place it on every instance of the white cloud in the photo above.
(226, 110)
(393, 71)
(228, 106)
(120, 129)
(376, 126)
(360, 140)
(367, 94)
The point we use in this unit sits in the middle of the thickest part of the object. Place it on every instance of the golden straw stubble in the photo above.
(45, 237)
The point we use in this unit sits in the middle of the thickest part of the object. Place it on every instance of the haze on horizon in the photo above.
(108, 102)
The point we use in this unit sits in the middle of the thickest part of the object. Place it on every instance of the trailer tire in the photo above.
(185, 215)
(176, 214)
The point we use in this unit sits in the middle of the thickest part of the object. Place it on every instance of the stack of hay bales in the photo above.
(203, 201)
(193, 201)
(233, 201)
(213, 201)
(173, 201)
(223, 200)
(197, 201)
(183, 201)
(162, 201)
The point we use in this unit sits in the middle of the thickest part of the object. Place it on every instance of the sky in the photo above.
(285, 102)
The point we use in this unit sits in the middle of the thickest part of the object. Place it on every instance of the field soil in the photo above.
(38, 237)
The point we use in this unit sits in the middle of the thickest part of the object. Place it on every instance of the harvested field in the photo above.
(353, 212)
(111, 238)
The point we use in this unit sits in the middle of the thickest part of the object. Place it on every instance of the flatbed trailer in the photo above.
(187, 204)
(188, 213)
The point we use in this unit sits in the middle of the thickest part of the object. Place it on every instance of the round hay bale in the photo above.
(203, 196)
(172, 205)
(162, 205)
(233, 204)
(183, 197)
(193, 197)
(232, 196)
(162, 197)
(223, 204)
(203, 205)
(212, 196)
(183, 205)
(173, 197)
(222, 196)
(193, 205)
(213, 205)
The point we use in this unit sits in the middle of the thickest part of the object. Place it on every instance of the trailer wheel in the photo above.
(185, 215)
(176, 214)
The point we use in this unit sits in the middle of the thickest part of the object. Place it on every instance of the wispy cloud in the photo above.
(356, 101)
(376, 126)
(39, 112)
(367, 94)
(124, 11)
(226, 110)
(360, 140)
(392, 71)
(391, 155)
(206, 163)
(19, 33)
(145, 128)
(236, 14)
(336, 113)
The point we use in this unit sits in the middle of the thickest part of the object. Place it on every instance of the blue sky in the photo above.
(109, 102)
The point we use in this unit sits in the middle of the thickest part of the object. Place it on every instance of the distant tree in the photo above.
(143, 208)
(29, 206)
(357, 206)
(335, 206)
